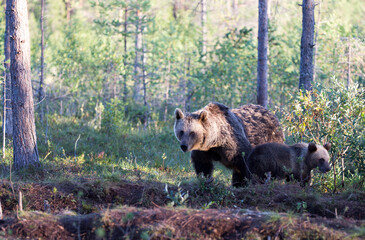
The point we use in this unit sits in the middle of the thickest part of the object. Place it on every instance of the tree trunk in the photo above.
(234, 7)
(306, 46)
(144, 82)
(41, 80)
(137, 59)
(125, 89)
(68, 10)
(8, 119)
(24, 135)
(167, 90)
(262, 96)
(349, 81)
(204, 28)
(189, 87)
(316, 42)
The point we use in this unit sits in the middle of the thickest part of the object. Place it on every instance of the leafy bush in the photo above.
(335, 115)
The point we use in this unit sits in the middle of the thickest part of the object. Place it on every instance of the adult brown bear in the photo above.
(218, 133)
(289, 162)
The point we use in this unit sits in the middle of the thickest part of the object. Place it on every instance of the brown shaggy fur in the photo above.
(261, 126)
(216, 133)
(283, 161)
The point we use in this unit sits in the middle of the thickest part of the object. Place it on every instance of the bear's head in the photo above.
(318, 157)
(189, 129)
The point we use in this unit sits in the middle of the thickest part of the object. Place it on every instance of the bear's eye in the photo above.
(181, 133)
(321, 160)
(192, 134)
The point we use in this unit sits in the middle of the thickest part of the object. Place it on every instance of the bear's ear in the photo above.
(327, 146)
(178, 114)
(312, 147)
(203, 116)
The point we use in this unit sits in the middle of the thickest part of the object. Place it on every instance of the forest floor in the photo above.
(91, 208)
(138, 185)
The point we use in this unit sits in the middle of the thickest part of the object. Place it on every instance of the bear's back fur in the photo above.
(261, 126)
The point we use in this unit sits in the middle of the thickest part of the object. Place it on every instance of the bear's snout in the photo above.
(184, 147)
(325, 168)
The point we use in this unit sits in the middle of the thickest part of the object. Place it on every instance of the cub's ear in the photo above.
(327, 146)
(312, 147)
(178, 114)
(203, 116)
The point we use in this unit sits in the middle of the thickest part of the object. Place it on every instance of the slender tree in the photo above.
(125, 34)
(349, 81)
(7, 118)
(144, 80)
(316, 42)
(68, 5)
(24, 135)
(262, 48)
(137, 57)
(203, 22)
(306, 46)
(7, 82)
(41, 80)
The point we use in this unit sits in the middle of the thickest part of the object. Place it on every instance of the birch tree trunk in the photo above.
(262, 48)
(24, 135)
(306, 46)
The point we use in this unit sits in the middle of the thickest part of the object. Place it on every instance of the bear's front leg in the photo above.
(240, 172)
(202, 162)
(238, 179)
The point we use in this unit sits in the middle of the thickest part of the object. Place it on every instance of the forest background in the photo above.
(105, 91)
(115, 71)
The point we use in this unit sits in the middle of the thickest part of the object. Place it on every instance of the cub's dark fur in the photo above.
(284, 161)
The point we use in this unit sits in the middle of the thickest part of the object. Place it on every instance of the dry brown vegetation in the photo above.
(94, 209)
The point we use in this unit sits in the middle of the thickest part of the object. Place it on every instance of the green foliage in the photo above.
(232, 67)
(178, 198)
(335, 115)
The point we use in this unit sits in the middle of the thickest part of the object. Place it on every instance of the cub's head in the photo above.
(318, 156)
(189, 129)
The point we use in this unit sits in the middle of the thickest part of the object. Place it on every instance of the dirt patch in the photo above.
(34, 197)
(292, 197)
(91, 195)
(97, 212)
(164, 223)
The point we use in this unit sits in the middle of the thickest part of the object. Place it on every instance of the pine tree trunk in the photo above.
(316, 42)
(24, 135)
(234, 7)
(349, 81)
(41, 80)
(306, 46)
(144, 82)
(167, 90)
(68, 10)
(125, 90)
(137, 49)
(204, 28)
(262, 48)
(7, 83)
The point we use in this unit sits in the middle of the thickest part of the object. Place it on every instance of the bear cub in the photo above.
(289, 162)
